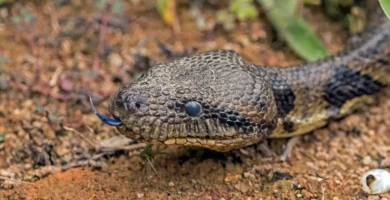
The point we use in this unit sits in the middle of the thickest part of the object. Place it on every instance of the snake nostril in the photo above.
(133, 107)
(117, 106)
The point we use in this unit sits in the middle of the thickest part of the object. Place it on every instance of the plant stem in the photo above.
(102, 34)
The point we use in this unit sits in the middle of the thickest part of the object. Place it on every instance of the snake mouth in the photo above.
(221, 145)
(230, 140)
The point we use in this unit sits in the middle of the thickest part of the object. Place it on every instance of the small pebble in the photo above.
(249, 175)
(115, 59)
(140, 195)
(171, 184)
(373, 197)
(367, 160)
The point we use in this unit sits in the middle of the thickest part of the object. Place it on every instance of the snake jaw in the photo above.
(228, 141)
(220, 145)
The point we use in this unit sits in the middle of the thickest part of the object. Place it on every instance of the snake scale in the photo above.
(218, 101)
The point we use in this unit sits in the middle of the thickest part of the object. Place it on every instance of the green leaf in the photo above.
(4, 59)
(303, 41)
(38, 109)
(332, 8)
(148, 152)
(243, 9)
(27, 15)
(161, 5)
(101, 4)
(293, 29)
(313, 2)
(235, 5)
(167, 10)
(52, 117)
(2, 137)
(16, 20)
(226, 19)
(117, 7)
(247, 12)
(91, 73)
(346, 2)
(385, 4)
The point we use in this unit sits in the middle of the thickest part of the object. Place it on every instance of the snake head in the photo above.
(212, 100)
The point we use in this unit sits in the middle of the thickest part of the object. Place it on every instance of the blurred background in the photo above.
(53, 53)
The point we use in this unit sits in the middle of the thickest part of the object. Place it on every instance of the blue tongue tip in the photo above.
(104, 119)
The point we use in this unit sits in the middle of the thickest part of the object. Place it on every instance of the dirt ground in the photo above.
(53, 147)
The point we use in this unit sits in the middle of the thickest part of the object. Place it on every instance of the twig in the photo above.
(54, 79)
(107, 150)
(13, 180)
(37, 88)
(104, 152)
(175, 23)
(102, 34)
(131, 147)
(265, 149)
(81, 135)
(289, 148)
(151, 164)
(54, 18)
(75, 164)
(27, 28)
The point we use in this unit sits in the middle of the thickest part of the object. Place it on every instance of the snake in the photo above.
(218, 101)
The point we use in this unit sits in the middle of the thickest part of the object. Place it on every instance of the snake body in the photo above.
(218, 101)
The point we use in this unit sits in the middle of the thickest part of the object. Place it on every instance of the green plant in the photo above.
(23, 18)
(2, 137)
(3, 59)
(238, 9)
(293, 29)
(226, 19)
(385, 4)
(243, 9)
(116, 7)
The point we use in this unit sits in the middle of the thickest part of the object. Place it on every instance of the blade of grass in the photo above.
(385, 4)
(244, 9)
(293, 29)
(313, 2)
(167, 10)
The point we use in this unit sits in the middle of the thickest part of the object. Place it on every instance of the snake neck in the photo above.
(308, 95)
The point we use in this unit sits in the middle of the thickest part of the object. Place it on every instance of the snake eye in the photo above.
(193, 108)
